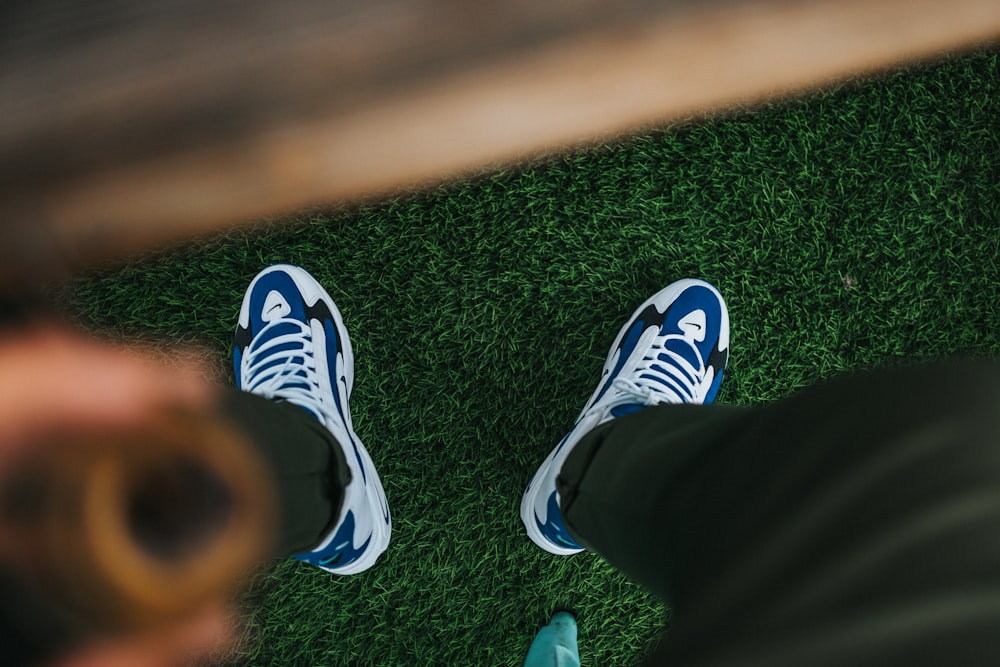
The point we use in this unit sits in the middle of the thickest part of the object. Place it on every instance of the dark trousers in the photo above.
(857, 523)
(307, 464)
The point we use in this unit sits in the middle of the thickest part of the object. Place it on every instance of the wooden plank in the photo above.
(127, 123)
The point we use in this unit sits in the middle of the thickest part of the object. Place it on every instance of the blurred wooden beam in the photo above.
(129, 123)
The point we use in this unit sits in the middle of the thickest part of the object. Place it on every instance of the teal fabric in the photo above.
(555, 644)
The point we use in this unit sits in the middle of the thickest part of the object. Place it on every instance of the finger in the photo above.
(211, 634)
(54, 376)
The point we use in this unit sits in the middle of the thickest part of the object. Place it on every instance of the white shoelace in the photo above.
(288, 374)
(656, 381)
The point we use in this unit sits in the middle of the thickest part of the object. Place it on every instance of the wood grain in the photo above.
(128, 124)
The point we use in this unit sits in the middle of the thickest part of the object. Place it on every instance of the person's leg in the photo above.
(293, 353)
(673, 349)
(614, 485)
(306, 464)
(855, 523)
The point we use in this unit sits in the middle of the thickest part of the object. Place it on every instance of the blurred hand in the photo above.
(208, 634)
(50, 375)
(53, 376)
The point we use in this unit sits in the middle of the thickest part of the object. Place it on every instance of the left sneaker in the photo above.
(291, 345)
(673, 349)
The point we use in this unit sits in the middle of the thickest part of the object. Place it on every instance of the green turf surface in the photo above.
(853, 228)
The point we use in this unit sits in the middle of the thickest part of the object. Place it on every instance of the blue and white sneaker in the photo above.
(291, 345)
(673, 350)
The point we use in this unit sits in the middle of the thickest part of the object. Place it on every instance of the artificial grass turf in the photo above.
(852, 228)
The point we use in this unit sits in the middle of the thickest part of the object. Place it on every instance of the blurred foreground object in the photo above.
(118, 532)
(129, 123)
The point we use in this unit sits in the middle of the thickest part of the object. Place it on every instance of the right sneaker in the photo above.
(292, 346)
(673, 350)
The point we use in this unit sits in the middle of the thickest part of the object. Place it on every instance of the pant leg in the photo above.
(306, 462)
(856, 523)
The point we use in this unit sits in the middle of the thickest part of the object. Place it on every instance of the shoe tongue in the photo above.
(694, 325)
(281, 328)
(682, 348)
(626, 409)
(275, 307)
(268, 356)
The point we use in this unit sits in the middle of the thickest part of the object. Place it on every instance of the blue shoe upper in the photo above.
(698, 354)
(283, 361)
